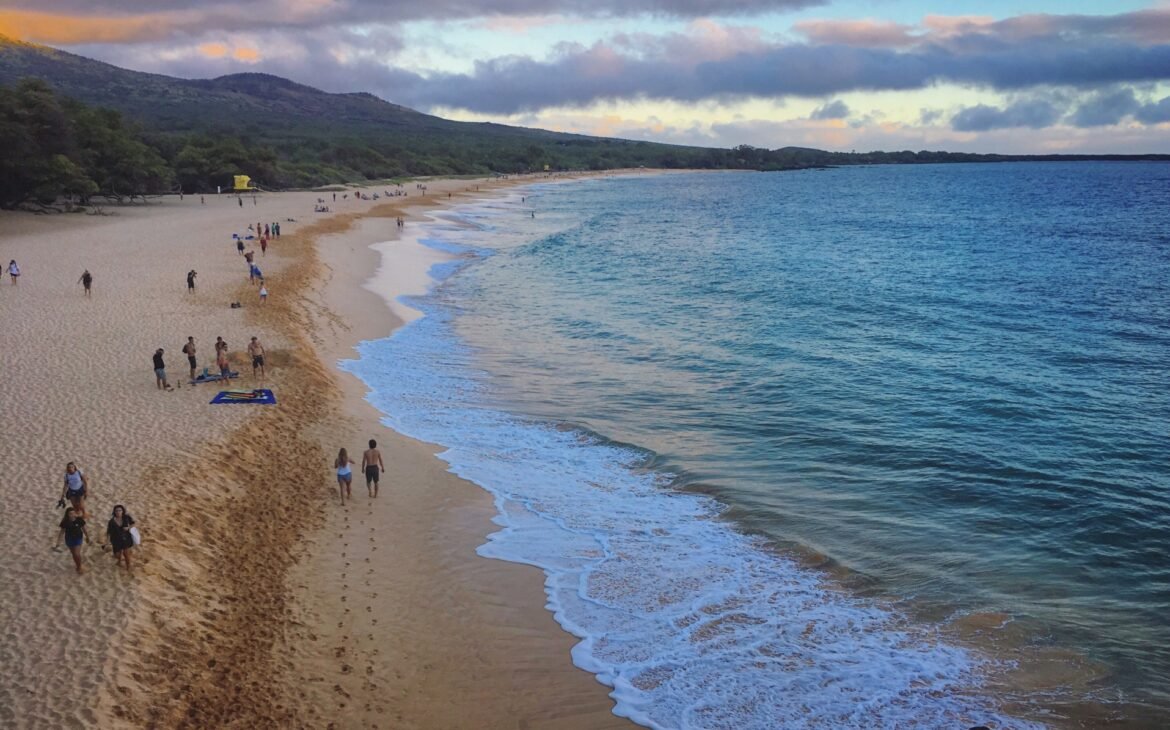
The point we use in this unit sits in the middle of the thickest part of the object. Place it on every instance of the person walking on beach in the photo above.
(344, 475)
(263, 292)
(264, 246)
(76, 489)
(160, 371)
(256, 350)
(119, 536)
(191, 281)
(240, 245)
(13, 270)
(73, 530)
(373, 467)
(86, 281)
(189, 351)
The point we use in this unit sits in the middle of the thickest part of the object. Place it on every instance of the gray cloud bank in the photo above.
(1079, 53)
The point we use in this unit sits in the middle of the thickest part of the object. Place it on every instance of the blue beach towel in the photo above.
(259, 396)
(213, 377)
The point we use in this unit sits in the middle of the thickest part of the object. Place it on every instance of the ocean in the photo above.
(853, 448)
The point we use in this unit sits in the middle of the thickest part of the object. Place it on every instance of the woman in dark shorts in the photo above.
(118, 533)
(73, 530)
(76, 489)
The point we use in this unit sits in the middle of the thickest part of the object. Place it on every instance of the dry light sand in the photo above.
(257, 600)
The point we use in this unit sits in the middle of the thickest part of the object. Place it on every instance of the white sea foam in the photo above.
(693, 624)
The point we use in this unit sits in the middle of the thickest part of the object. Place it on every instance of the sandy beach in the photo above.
(256, 599)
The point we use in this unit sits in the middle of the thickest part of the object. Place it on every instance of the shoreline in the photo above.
(234, 504)
(498, 645)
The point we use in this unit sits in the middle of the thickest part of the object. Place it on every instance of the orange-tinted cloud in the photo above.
(66, 30)
(213, 50)
(249, 55)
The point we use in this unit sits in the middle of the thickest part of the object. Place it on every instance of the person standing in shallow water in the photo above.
(373, 467)
(74, 533)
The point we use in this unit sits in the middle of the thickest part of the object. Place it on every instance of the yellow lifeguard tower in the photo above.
(242, 184)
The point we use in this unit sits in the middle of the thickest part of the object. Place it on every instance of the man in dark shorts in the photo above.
(189, 351)
(191, 281)
(373, 467)
(256, 350)
(86, 281)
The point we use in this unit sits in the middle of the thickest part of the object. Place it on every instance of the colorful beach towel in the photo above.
(259, 396)
(213, 378)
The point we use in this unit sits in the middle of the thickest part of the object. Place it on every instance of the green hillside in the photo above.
(303, 136)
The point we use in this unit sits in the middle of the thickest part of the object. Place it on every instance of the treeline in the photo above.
(55, 148)
(58, 150)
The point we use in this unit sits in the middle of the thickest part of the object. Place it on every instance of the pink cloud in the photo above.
(868, 33)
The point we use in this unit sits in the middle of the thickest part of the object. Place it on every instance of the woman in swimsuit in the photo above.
(73, 530)
(118, 533)
(344, 475)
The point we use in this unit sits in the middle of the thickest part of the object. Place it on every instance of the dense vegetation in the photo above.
(195, 134)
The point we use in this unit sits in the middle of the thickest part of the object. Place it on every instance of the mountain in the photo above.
(315, 136)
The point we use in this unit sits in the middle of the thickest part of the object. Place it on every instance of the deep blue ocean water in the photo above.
(865, 447)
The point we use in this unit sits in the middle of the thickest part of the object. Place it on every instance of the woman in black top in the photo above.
(73, 530)
(118, 533)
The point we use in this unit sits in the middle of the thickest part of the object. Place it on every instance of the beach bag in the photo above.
(135, 536)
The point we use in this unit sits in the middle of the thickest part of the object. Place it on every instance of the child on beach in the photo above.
(13, 270)
(86, 281)
(263, 292)
(73, 531)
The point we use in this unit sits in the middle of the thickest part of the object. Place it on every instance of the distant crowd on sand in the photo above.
(121, 536)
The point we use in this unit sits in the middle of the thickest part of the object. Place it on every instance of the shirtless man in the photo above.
(189, 351)
(256, 350)
(373, 467)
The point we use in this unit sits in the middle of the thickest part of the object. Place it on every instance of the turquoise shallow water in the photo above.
(949, 382)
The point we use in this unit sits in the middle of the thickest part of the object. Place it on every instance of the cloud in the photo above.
(1154, 113)
(1032, 113)
(868, 33)
(833, 110)
(123, 21)
(1105, 108)
(581, 75)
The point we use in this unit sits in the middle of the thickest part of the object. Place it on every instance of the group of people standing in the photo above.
(222, 361)
(121, 533)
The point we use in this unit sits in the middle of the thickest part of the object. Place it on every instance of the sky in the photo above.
(1029, 76)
